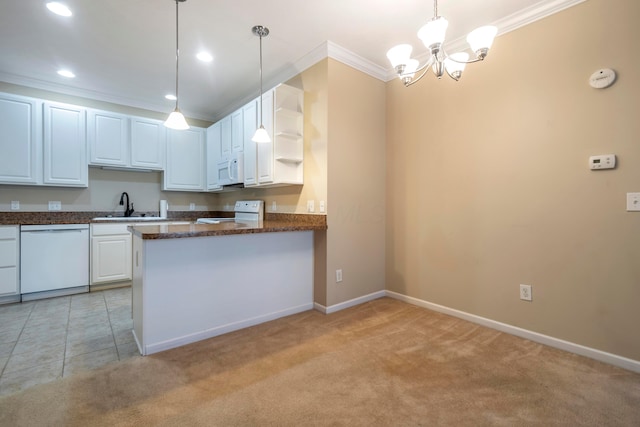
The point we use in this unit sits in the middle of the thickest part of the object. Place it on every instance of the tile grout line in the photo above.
(24, 325)
(113, 335)
(66, 338)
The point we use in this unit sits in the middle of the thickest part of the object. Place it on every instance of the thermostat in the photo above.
(602, 78)
(604, 161)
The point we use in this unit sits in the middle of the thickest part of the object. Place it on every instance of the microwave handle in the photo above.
(229, 170)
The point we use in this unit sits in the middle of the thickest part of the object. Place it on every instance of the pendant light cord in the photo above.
(261, 94)
(177, 54)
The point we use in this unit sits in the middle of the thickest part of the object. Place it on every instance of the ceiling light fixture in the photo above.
(261, 134)
(176, 119)
(59, 8)
(204, 56)
(432, 35)
(66, 73)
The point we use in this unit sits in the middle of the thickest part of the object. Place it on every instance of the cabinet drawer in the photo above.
(109, 229)
(9, 232)
(8, 253)
(8, 281)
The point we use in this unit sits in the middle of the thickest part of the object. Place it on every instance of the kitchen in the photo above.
(374, 225)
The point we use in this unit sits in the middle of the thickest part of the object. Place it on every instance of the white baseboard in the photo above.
(219, 330)
(352, 302)
(612, 359)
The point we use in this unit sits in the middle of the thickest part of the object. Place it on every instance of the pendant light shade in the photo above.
(261, 135)
(176, 119)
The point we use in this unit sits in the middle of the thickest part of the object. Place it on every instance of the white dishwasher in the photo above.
(54, 260)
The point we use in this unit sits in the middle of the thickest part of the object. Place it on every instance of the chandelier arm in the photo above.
(426, 66)
(471, 61)
(426, 70)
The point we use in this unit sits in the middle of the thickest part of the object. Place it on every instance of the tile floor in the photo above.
(47, 339)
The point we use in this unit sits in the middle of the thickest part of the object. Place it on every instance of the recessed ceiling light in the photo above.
(170, 97)
(59, 8)
(66, 73)
(204, 57)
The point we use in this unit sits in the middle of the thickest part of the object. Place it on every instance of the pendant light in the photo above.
(261, 134)
(176, 120)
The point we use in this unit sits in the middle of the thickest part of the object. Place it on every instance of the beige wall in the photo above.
(356, 182)
(488, 185)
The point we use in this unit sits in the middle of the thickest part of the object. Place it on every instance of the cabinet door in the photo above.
(250, 121)
(9, 250)
(148, 143)
(185, 160)
(237, 131)
(108, 138)
(20, 139)
(110, 258)
(225, 137)
(65, 146)
(214, 139)
(265, 149)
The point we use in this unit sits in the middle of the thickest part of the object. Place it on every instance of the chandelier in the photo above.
(432, 35)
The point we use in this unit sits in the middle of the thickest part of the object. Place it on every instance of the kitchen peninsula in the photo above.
(197, 281)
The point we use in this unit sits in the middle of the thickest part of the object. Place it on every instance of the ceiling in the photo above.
(123, 51)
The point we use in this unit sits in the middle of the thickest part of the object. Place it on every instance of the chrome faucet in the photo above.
(129, 210)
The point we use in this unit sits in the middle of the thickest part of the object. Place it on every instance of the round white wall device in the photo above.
(602, 78)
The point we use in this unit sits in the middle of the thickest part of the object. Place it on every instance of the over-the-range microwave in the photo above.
(231, 170)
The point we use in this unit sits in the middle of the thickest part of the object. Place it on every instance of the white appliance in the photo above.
(251, 211)
(54, 260)
(231, 171)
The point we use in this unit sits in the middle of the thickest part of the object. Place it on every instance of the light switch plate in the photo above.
(15, 205)
(633, 202)
(311, 206)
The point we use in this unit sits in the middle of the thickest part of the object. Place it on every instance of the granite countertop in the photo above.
(273, 222)
(285, 223)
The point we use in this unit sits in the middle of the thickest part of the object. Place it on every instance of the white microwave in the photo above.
(231, 170)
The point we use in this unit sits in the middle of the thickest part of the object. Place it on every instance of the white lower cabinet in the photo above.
(110, 253)
(9, 263)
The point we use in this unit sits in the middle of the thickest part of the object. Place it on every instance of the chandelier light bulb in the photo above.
(481, 38)
(399, 55)
(433, 33)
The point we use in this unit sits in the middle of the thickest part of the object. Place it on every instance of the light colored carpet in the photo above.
(382, 363)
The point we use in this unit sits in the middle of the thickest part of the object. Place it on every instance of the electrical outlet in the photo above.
(15, 205)
(311, 206)
(192, 206)
(55, 206)
(339, 275)
(525, 292)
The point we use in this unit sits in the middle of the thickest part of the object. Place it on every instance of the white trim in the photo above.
(352, 302)
(219, 330)
(355, 61)
(612, 359)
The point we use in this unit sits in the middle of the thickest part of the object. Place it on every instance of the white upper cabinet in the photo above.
(148, 143)
(65, 145)
(185, 169)
(237, 131)
(122, 141)
(20, 140)
(108, 138)
(225, 137)
(281, 162)
(250, 124)
(214, 140)
(265, 149)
